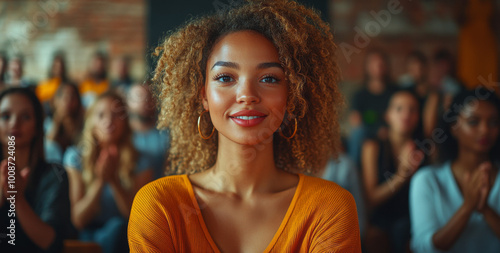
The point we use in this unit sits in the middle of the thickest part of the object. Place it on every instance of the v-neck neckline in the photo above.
(285, 220)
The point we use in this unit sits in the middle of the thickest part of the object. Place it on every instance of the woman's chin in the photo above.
(251, 139)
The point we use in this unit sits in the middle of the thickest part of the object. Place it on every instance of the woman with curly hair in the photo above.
(251, 98)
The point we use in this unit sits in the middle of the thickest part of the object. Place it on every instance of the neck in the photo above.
(397, 140)
(469, 161)
(245, 169)
(22, 156)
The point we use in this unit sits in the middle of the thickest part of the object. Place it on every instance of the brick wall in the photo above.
(38, 28)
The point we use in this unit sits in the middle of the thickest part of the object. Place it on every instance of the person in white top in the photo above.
(455, 206)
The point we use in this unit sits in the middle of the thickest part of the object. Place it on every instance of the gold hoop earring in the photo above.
(294, 131)
(199, 127)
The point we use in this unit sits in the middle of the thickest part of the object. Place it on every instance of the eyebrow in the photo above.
(226, 64)
(266, 65)
(234, 65)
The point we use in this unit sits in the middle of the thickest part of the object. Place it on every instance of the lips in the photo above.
(248, 113)
(248, 118)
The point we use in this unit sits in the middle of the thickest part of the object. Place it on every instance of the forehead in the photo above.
(244, 47)
(109, 104)
(403, 98)
(481, 109)
(16, 103)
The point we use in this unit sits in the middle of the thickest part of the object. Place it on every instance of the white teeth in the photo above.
(247, 117)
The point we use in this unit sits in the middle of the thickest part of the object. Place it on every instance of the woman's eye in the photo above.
(5, 116)
(225, 79)
(26, 117)
(472, 122)
(270, 79)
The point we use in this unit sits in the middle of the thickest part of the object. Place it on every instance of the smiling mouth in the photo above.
(247, 117)
(247, 121)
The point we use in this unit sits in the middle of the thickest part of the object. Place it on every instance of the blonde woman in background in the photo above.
(105, 172)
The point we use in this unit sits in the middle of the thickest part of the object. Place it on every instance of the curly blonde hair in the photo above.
(307, 53)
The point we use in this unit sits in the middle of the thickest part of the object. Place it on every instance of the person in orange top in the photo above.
(97, 82)
(251, 98)
(57, 74)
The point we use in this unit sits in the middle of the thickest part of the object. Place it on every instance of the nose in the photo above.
(483, 128)
(247, 93)
(107, 120)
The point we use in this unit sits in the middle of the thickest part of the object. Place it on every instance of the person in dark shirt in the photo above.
(387, 167)
(34, 207)
(369, 103)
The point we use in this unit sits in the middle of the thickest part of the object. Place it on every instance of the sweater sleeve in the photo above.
(340, 231)
(424, 221)
(148, 227)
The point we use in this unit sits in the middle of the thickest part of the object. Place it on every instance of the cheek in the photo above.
(3, 132)
(29, 130)
(3, 126)
(464, 132)
(276, 102)
(120, 127)
(415, 118)
(392, 117)
(219, 100)
(278, 108)
(494, 133)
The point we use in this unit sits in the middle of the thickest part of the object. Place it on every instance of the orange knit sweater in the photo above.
(165, 217)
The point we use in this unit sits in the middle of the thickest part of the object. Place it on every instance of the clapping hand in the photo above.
(477, 187)
(107, 162)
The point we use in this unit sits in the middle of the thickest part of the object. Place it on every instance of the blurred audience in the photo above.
(343, 171)
(64, 128)
(416, 70)
(96, 82)
(57, 75)
(105, 172)
(387, 166)
(455, 205)
(15, 74)
(3, 69)
(443, 77)
(369, 103)
(417, 81)
(121, 69)
(114, 148)
(41, 201)
(147, 139)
